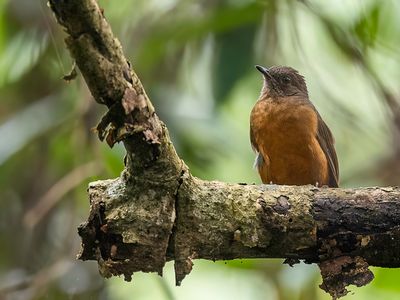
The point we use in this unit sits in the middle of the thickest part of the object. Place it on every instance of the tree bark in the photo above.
(157, 211)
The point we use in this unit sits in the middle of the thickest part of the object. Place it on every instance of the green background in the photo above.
(196, 60)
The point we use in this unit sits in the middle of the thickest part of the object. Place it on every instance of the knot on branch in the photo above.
(131, 115)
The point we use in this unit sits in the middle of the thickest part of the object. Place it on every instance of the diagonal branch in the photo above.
(152, 168)
(156, 211)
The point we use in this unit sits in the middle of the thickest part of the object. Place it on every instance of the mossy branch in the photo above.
(157, 211)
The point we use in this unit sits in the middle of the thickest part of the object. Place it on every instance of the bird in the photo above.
(293, 145)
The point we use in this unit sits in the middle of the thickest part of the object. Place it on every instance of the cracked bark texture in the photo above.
(157, 211)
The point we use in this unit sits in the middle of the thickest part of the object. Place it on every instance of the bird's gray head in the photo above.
(282, 81)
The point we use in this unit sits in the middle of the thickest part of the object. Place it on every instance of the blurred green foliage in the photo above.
(196, 61)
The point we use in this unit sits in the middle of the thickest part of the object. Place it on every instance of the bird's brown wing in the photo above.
(326, 141)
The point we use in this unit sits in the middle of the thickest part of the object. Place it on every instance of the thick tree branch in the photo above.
(156, 211)
(153, 169)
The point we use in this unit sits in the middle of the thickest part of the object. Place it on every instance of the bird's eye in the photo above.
(286, 79)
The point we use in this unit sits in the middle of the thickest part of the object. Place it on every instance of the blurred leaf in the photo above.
(21, 55)
(179, 31)
(228, 69)
(342, 39)
(113, 159)
(387, 279)
(366, 27)
(30, 122)
(245, 263)
(3, 31)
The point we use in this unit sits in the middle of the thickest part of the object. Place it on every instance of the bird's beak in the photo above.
(263, 70)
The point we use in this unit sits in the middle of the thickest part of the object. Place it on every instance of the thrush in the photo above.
(293, 144)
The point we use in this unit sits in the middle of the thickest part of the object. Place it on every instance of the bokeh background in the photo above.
(196, 60)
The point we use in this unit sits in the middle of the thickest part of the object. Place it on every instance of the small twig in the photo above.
(40, 279)
(57, 191)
